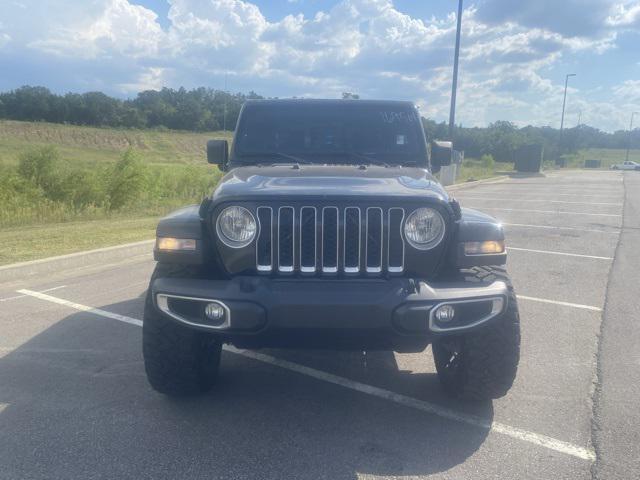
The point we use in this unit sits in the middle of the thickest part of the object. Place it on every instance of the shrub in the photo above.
(39, 167)
(127, 181)
(487, 161)
(47, 188)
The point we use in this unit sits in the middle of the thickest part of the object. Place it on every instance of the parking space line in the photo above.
(538, 201)
(82, 308)
(551, 252)
(521, 192)
(513, 432)
(23, 296)
(550, 211)
(554, 227)
(558, 302)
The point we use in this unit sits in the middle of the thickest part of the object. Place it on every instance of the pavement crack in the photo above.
(596, 397)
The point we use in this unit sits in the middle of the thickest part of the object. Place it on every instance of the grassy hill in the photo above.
(72, 208)
(89, 144)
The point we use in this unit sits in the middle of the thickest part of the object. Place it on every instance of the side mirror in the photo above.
(441, 155)
(217, 152)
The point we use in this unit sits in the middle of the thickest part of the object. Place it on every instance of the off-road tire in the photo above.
(482, 365)
(179, 361)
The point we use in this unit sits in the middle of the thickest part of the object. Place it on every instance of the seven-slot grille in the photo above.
(330, 239)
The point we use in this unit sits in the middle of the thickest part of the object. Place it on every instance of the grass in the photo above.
(89, 144)
(608, 156)
(41, 241)
(34, 224)
(474, 169)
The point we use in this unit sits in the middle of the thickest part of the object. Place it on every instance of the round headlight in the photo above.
(236, 227)
(424, 228)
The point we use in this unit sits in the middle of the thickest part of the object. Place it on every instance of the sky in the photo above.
(513, 60)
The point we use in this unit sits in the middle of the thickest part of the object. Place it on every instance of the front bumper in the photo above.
(267, 312)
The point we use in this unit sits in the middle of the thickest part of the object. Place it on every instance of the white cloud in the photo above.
(628, 91)
(86, 29)
(4, 39)
(366, 46)
(570, 18)
(625, 14)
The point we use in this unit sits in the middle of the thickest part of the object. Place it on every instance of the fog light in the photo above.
(444, 313)
(214, 311)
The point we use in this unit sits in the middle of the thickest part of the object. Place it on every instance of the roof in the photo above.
(333, 101)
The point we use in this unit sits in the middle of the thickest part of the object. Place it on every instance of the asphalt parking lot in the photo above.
(74, 402)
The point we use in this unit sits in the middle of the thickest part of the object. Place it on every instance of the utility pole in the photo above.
(579, 117)
(224, 114)
(564, 102)
(454, 84)
(626, 159)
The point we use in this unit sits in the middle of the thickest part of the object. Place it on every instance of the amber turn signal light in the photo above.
(175, 244)
(484, 248)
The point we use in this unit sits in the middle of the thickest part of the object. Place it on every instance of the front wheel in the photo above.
(178, 360)
(482, 365)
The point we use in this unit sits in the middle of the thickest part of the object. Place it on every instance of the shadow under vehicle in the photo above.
(75, 405)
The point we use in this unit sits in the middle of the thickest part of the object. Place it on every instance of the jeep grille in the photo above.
(330, 240)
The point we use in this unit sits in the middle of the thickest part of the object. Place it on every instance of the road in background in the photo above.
(74, 402)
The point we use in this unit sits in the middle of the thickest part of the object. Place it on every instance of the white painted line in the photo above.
(23, 296)
(537, 201)
(82, 308)
(551, 211)
(514, 432)
(557, 302)
(551, 252)
(553, 227)
(531, 193)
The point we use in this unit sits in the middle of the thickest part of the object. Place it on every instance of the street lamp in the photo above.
(629, 139)
(454, 84)
(564, 102)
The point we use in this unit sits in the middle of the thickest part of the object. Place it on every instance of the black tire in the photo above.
(179, 361)
(482, 365)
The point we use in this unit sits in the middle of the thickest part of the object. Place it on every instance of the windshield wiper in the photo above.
(369, 160)
(293, 158)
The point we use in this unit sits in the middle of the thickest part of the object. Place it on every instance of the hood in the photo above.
(327, 181)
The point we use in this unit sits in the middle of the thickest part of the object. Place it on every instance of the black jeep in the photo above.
(328, 230)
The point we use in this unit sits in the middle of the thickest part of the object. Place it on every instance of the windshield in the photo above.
(331, 133)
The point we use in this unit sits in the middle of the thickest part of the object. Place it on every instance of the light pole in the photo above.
(454, 84)
(564, 102)
(224, 114)
(626, 159)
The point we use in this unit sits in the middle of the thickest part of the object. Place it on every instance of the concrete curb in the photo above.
(24, 270)
(462, 186)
